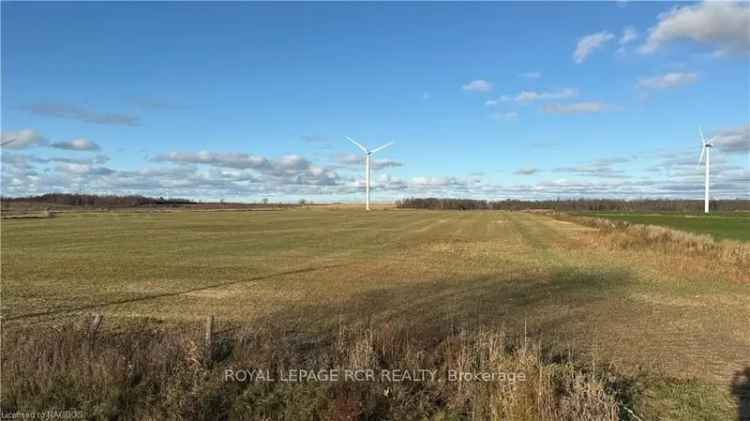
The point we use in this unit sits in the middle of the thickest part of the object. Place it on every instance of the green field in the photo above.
(721, 226)
(308, 270)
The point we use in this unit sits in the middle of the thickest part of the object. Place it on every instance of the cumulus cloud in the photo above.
(226, 160)
(629, 34)
(586, 45)
(25, 174)
(386, 163)
(353, 159)
(25, 160)
(21, 139)
(288, 169)
(73, 112)
(721, 24)
(576, 108)
(436, 181)
(735, 140)
(528, 96)
(84, 169)
(79, 144)
(526, 171)
(669, 80)
(478, 86)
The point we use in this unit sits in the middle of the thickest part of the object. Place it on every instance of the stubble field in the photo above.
(305, 272)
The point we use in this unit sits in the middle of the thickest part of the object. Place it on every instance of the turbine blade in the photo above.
(703, 155)
(703, 139)
(357, 144)
(380, 148)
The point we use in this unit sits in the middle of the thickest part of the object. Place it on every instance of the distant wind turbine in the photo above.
(368, 171)
(706, 153)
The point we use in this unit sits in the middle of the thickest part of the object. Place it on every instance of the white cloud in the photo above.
(385, 163)
(353, 159)
(589, 43)
(734, 140)
(74, 112)
(719, 23)
(83, 169)
(576, 108)
(79, 144)
(602, 178)
(287, 169)
(629, 34)
(227, 160)
(528, 96)
(21, 139)
(490, 102)
(478, 86)
(435, 181)
(668, 80)
(526, 171)
(597, 168)
(532, 75)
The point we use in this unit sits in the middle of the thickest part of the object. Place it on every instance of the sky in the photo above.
(252, 101)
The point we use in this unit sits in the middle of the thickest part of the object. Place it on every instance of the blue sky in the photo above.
(242, 101)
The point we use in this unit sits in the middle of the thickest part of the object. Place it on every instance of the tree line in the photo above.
(97, 201)
(593, 205)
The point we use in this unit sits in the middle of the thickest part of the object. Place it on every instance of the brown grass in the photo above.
(153, 373)
(733, 256)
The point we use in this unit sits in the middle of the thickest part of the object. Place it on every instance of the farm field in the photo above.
(721, 226)
(307, 271)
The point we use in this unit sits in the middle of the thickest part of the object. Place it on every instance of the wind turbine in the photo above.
(368, 171)
(706, 153)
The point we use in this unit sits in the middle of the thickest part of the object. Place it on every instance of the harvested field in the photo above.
(305, 272)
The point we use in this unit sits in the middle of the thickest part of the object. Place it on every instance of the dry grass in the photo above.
(153, 373)
(725, 255)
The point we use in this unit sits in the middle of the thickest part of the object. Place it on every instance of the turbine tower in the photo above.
(706, 153)
(368, 171)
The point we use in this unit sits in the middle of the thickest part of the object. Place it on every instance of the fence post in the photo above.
(94, 327)
(209, 334)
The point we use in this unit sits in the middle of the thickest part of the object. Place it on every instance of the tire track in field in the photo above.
(169, 294)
